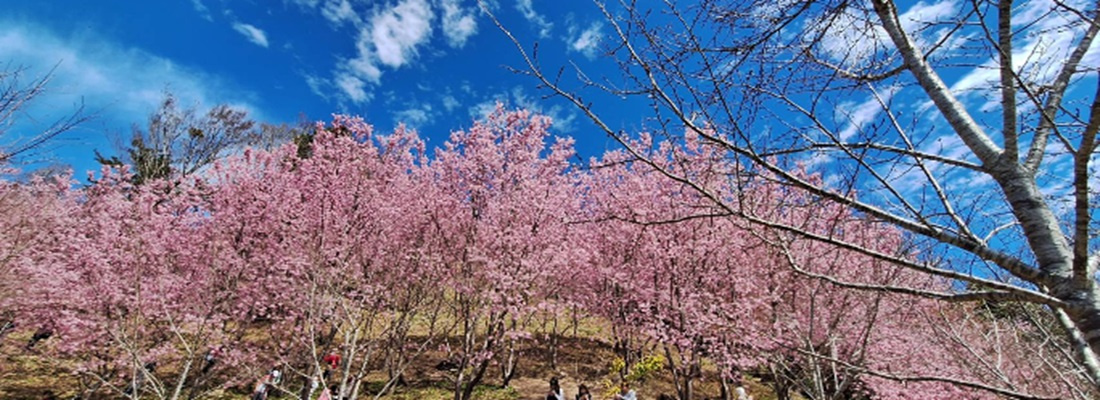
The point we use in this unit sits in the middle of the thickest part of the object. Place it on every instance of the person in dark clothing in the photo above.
(41, 334)
(210, 358)
(583, 393)
(555, 390)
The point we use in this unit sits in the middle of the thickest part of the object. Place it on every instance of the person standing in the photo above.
(583, 393)
(740, 393)
(625, 392)
(210, 358)
(555, 390)
(326, 394)
(262, 387)
(311, 385)
(332, 363)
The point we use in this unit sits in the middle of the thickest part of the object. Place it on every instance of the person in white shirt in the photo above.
(740, 393)
(625, 392)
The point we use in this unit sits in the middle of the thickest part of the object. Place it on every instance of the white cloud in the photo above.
(854, 117)
(390, 38)
(854, 37)
(483, 109)
(353, 87)
(339, 11)
(414, 117)
(458, 24)
(586, 42)
(202, 10)
(395, 33)
(538, 21)
(305, 3)
(1049, 36)
(564, 119)
(121, 85)
(450, 103)
(252, 33)
(317, 85)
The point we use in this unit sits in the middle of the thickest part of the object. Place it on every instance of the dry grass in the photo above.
(582, 359)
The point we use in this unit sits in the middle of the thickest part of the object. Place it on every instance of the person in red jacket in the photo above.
(332, 363)
(332, 360)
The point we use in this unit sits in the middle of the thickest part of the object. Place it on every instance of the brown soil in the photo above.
(25, 375)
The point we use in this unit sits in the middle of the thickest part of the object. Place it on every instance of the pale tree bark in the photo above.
(1045, 238)
(733, 73)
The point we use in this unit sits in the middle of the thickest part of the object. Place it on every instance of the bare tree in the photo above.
(16, 93)
(965, 123)
(180, 140)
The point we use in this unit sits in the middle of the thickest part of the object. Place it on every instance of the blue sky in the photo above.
(433, 64)
(439, 64)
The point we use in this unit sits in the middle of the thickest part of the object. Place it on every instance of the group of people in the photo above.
(625, 392)
(330, 363)
(556, 393)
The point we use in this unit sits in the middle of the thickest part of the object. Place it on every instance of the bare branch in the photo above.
(1008, 79)
(991, 296)
(1082, 211)
(910, 378)
(15, 96)
(1057, 93)
(878, 146)
(858, 77)
(1080, 345)
(964, 229)
(1008, 262)
(956, 115)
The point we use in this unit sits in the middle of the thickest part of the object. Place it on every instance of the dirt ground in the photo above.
(28, 375)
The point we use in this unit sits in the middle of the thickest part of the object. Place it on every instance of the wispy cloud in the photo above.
(416, 116)
(307, 4)
(538, 21)
(202, 10)
(1051, 33)
(252, 33)
(854, 37)
(353, 87)
(586, 42)
(318, 85)
(121, 85)
(854, 116)
(450, 103)
(458, 23)
(564, 119)
(395, 33)
(340, 11)
(390, 38)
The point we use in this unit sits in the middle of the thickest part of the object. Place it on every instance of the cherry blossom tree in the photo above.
(513, 195)
(125, 284)
(365, 246)
(348, 247)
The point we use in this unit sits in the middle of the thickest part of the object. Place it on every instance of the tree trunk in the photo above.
(554, 345)
(780, 382)
(508, 367)
(468, 390)
(182, 379)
